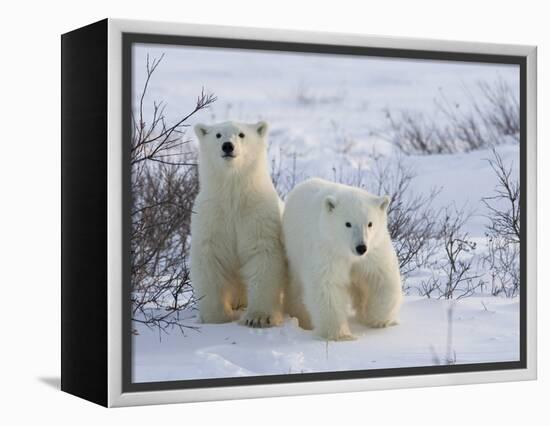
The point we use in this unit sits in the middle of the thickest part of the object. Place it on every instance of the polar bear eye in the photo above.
(370, 225)
(348, 225)
(241, 135)
(218, 135)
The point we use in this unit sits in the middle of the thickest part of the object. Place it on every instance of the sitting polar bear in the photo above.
(339, 251)
(237, 257)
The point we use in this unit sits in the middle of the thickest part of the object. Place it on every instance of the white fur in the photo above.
(237, 258)
(326, 272)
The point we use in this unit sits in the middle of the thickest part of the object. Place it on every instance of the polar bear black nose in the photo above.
(361, 249)
(227, 147)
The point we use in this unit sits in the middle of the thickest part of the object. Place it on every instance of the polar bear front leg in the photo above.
(263, 274)
(382, 300)
(327, 302)
(212, 289)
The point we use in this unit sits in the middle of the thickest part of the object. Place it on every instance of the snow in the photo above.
(326, 113)
(484, 329)
(463, 179)
(329, 110)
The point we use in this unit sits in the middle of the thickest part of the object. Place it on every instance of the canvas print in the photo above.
(295, 213)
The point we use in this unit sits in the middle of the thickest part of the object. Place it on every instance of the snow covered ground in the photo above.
(327, 117)
(484, 329)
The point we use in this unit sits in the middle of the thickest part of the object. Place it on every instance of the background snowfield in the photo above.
(329, 110)
(327, 118)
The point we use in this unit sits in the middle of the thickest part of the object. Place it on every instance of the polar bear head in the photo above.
(354, 221)
(232, 146)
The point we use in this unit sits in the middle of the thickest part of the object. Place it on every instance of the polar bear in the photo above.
(339, 253)
(237, 257)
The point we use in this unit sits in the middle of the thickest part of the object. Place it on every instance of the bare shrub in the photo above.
(502, 108)
(504, 205)
(430, 287)
(464, 130)
(156, 140)
(284, 172)
(307, 98)
(503, 231)
(489, 117)
(164, 184)
(161, 215)
(413, 133)
(502, 260)
(412, 218)
(453, 275)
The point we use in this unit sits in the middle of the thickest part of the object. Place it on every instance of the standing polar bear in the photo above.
(339, 252)
(237, 257)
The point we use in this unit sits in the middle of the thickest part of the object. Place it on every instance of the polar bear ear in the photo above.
(261, 128)
(201, 130)
(330, 203)
(384, 202)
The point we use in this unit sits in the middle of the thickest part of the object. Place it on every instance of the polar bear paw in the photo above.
(381, 323)
(341, 335)
(260, 320)
(344, 337)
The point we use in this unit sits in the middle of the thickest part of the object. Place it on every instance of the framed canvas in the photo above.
(251, 212)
